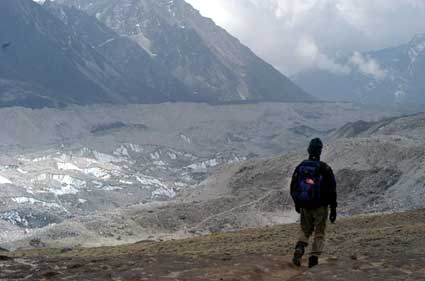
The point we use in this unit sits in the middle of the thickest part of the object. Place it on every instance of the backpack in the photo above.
(307, 192)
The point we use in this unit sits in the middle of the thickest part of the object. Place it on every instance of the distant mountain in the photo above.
(388, 76)
(45, 62)
(208, 60)
(409, 126)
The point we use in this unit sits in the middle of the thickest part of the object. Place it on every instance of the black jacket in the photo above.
(328, 188)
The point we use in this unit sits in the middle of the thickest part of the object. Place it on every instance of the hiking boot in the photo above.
(313, 261)
(298, 254)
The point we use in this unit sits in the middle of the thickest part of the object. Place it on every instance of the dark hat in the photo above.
(315, 147)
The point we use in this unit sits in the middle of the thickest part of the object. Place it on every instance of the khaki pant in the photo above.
(314, 220)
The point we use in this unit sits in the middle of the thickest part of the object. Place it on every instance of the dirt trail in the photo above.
(384, 247)
(160, 268)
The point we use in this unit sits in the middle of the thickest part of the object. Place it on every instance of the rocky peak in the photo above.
(416, 47)
(197, 52)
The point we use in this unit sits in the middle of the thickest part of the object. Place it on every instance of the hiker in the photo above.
(313, 189)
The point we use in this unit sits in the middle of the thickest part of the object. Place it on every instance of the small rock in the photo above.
(66, 249)
(50, 274)
(5, 258)
(74, 266)
(37, 243)
(4, 250)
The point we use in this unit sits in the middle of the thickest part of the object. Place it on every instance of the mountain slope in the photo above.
(47, 63)
(199, 53)
(388, 76)
(57, 60)
(146, 78)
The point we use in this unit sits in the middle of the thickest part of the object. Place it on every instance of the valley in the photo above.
(105, 175)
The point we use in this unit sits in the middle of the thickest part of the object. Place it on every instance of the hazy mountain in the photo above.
(46, 62)
(199, 53)
(392, 75)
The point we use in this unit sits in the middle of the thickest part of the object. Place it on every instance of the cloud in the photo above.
(310, 56)
(295, 35)
(367, 66)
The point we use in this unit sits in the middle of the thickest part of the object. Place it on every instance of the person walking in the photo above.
(313, 189)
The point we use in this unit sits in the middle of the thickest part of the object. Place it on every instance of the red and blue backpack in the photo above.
(307, 192)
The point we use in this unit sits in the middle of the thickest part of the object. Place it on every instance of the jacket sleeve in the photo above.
(332, 188)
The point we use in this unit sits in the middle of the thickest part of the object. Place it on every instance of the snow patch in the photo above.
(164, 192)
(106, 158)
(416, 50)
(21, 171)
(126, 182)
(121, 151)
(204, 165)
(98, 173)
(155, 156)
(172, 155)
(67, 167)
(150, 181)
(4, 180)
(27, 200)
(186, 138)
(42, 158)
(68, 184)
(111, 188)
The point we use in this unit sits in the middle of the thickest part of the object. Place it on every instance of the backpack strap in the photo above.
(312, 163)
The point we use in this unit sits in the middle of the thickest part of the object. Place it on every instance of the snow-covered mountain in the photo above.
(208, 60)
(392, 75)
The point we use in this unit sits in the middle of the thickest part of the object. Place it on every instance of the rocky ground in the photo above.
(379, 172)
(379, 247)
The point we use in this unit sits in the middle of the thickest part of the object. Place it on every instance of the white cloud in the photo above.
(367, 66)
(310, 56)
(295, 35)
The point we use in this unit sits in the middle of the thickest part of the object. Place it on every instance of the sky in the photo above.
(299, 35)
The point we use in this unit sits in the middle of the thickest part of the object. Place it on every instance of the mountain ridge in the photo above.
(388, 76)
(199, 53)
(144, 52)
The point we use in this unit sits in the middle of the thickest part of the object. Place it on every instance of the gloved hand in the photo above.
(297, 209)
(332, 216)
